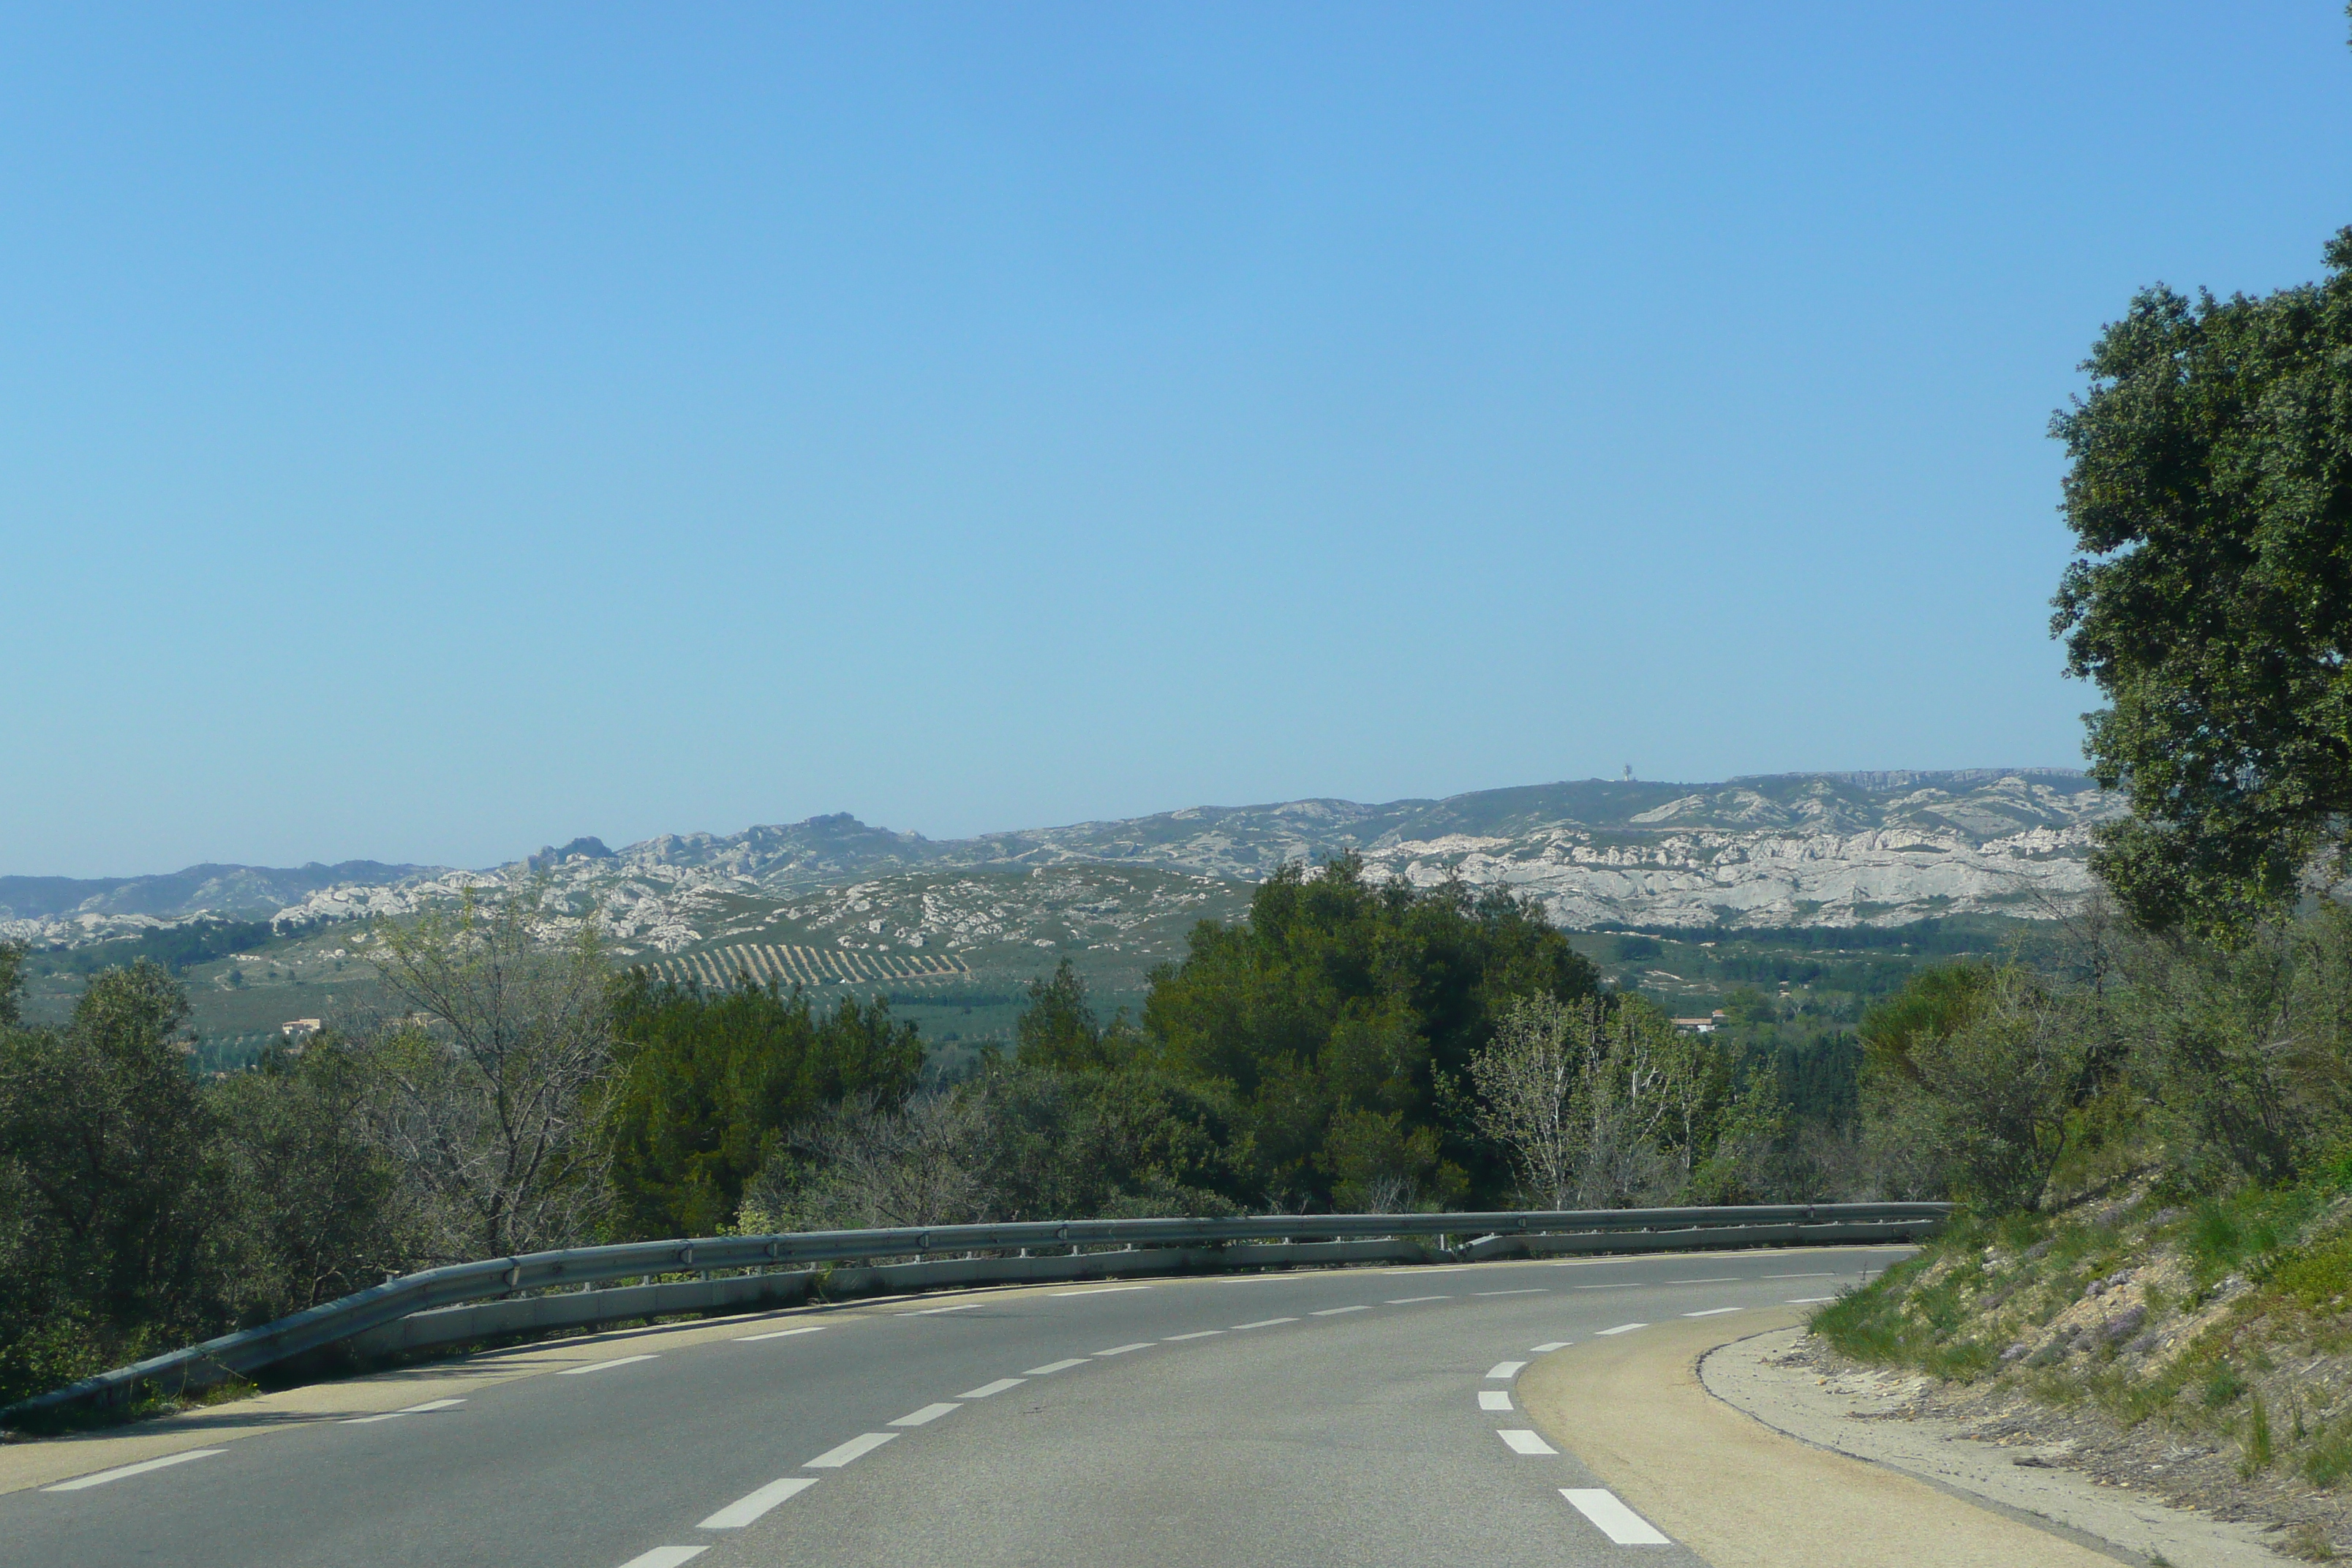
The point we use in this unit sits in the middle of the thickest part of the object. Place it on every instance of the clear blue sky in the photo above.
(430, 434)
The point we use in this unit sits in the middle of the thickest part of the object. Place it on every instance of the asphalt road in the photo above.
(1356, 1417)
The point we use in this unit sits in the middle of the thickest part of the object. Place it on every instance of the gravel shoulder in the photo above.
(1744, 1495)
(2024, 1459)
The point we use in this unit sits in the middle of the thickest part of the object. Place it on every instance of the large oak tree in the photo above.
(2210, 490)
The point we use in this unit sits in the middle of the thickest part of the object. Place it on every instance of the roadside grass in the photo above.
(2225, 1317)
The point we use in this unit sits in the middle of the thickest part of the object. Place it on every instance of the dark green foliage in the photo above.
(106, 1184)
(315, 1201)
(2211, 494)
(1932, 1007)
(706, 1083)
(1335, 1019)
(176, 948)
(1059, 1031)
(140, 1209)
(1819, 1074)
(1130, 1141)
(1976, 1082)
(111, 1136)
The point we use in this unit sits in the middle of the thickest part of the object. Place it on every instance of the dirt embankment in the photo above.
(2202, 1355)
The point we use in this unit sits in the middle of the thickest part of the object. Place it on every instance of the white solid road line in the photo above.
(745, 1509)
(1823, 1275)
(1522, 1441)
(926, 1416)
(783, 1333)
(1409, 1301)
(1549, 1346)
(601, 1365)
(665, 1557)
(405, 1410)
(1335, 1312)
(857, 1448)
(1506, 1369)
(1494, 1399)
(986, 1389)
(1524, 1291)
(1101, 1291)
(1051, 1367)
(1195, 1334)
(141, 1469)
(1122, 1350)
(1711, 1312)
(1808, 1300)
(935, 1311)
(1266, 1322)
(1615, 1520)
(1623, 1329)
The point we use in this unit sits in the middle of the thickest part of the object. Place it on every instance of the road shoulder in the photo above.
(1743, 1495)
(1748, 1375)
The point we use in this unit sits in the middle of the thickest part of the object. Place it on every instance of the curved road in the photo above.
(1347, 1417)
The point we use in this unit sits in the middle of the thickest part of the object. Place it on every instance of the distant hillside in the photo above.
(1796, 850)
(104, 904)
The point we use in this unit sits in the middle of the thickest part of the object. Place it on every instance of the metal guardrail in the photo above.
(534, 1290)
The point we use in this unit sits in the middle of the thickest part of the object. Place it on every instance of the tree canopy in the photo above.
(708, 1082)
(2210, 489)
(1339, 1016)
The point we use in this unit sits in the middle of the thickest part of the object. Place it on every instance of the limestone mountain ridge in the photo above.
(1798, 849)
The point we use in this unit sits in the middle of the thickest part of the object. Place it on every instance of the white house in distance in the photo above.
(1706, 1025)
(297, 1031)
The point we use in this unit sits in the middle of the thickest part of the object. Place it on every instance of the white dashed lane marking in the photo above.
(1266, 1322)
(1624, 1329)
(806, 1329)
(1711, 1312)
(1195, 1334)
(743, 1511)
(1823, 1275)
(1506, 1369)
(1335, 1312)
(935, 1311)
(1051, 1367)
(1101, 1290)
(1494, 1399)
(986, 1389)
(1409, 1301)
(604, 1365)
(1122, 1350)
(1524, 1290)
(1549, 1345)
(407, 1410)
(141, 1469)
(665, 1557)
(926, 1416)
(857, 1448)
(1614, 1520)
(1808, 1300)
(1522, 1441)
